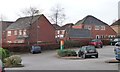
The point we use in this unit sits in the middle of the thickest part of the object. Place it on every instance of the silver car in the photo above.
(117, 44)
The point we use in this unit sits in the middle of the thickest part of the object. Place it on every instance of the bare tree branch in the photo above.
(57, 16)
(31, 11)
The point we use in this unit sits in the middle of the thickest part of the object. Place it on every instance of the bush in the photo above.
(63, 53)
(76, 43)
(4, 53)
(13, 60)
(71, 44)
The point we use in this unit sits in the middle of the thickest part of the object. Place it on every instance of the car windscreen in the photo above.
(90, 48)
(93, 40)
(96, 40)
(117, 39)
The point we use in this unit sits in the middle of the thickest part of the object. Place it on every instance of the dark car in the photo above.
(1, 66)
(35, 49)
(114, 41)
(88, 51)
(96, 42)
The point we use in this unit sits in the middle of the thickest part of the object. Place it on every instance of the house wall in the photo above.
(106, 33)
(4, 25)
(11, 38)
(59, 33)
(42, 31)
(116, 28)
(78, 26)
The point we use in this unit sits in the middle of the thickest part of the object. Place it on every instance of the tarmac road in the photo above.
(48, 60)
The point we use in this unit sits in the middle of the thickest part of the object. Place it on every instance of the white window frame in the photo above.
(102, 36)
(63, 31)
(58, 32)
(9, 41)
(97, 27)
(20, 41)
(9, 33)
(61, 36)
(20, 32)
(88, 27)
(102, 27)
(97, 36)
(15, 32)
(111, 36)
(25, 32)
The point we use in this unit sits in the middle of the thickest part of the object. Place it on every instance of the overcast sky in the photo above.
(106, 10)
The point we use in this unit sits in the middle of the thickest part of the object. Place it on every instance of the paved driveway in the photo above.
(48, 60)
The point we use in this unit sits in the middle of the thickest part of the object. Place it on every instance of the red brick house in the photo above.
(116, 27)
(31, 30)
(3, 26)
(77, 34)
(98, 28)
(60, 31)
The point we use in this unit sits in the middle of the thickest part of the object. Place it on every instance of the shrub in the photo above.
(13, 60)
(4, 53)
(76, 43)
(63, 53)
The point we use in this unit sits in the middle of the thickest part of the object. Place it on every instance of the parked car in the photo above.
(1, 66)
(114, 41)
(117, 52)
(117, 44)
(96, 42)
(35, 49)
(88, 51)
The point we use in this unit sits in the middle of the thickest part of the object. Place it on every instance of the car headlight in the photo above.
(85, 52)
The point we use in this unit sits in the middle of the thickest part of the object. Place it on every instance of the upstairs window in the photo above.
(20, 32)
(58, 32)
(24, 32)
(9, 33)
(97, 27)
(63, 31)
(15, 32)
(88, 27)
(102, 27)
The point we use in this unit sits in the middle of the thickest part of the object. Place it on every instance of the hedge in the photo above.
(63, 53)
(4, 53)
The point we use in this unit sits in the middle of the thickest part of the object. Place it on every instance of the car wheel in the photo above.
(96, 56)
(40, 52)
(79, 55)
(84, 56)
(101, 46)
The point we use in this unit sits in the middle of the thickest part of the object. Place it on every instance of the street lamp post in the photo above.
(37, 33)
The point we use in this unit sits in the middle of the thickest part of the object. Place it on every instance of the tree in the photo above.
(31, 11)
(2, 17)
(57, 16)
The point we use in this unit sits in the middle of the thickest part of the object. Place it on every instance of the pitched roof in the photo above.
(23, 22)
(78, 33)
(116, 22)
(57, 27)
(90, 20)
(5, 24)
(68, 25)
